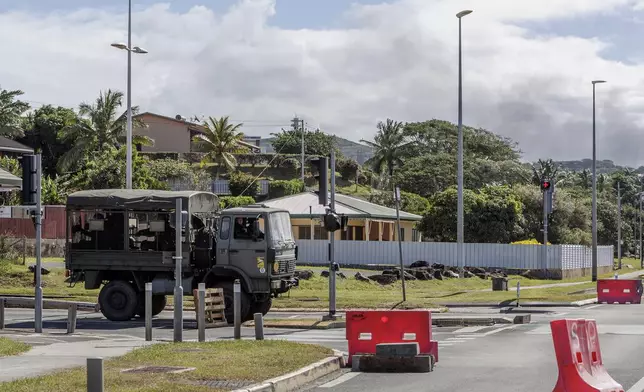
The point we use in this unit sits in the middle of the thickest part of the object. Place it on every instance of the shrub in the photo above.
(347, 168)
(235, 201)
(528, 242)
(410, 202)
(242, 184)
(281, 188)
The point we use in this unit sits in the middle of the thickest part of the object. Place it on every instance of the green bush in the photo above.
(347, 168)
(410, 202)
(281, 188)
(235, 201)
(241, 182)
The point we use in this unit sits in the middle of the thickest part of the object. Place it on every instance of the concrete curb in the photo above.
(470, 321)
(268, 324)
(523, 304)
(326, 310)
(298, 378)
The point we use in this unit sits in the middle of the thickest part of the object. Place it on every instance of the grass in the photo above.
(16, 279)
(10, 347)
(245, 360)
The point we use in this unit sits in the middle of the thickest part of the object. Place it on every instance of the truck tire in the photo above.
(260, 307)
(228, 302)
(118, 301)
(159, 302)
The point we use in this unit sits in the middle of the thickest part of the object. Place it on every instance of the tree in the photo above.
(11, 111)
(43, 132)
(98, 129)
(387, 147)
(106, 170)
(12, 166)
(544, 170)
(220, 141)
(172, 172)
(316, 143)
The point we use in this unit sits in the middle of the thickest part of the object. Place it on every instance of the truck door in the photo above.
(248, 251)
(223, 241)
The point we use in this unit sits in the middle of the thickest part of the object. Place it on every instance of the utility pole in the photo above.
(400, 252)
(619, 227)
(298, 123)
(640, 252)
(594, 202)
(332, 266)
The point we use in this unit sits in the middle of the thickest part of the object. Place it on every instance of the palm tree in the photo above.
(544, 170)
(11, 110)
(220, 140)
(387, 147)
(99, 127)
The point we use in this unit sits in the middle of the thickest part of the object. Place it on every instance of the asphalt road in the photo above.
(482, 359)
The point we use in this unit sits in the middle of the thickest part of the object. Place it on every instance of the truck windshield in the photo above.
(280, 226)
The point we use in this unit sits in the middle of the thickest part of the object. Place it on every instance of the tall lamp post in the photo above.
(594, 261)
(130, 50)
(460, 232)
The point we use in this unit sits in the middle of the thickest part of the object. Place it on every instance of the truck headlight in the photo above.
(276, 267)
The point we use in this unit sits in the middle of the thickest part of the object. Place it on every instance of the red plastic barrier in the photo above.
(619, 291)
(365, 329)
(579, 358)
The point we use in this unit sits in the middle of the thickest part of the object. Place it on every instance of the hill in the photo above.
(603, 166)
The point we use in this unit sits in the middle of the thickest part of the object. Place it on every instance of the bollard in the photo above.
(237, 308)
(201, 312)
(518, 293)
(71, 318)
(1, 313)
(148, 312)
(95, 379)
(259, 326)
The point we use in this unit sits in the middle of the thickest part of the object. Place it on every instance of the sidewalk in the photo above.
(59, 356)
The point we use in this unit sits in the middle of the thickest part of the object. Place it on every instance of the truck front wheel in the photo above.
(260, 307)
(229, 297)
(118, 300)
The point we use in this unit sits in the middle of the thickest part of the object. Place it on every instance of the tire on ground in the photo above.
(159, 303)
(228, 301)
(118, 300)
(260, 307)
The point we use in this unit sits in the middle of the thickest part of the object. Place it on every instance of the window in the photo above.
(348, 234)
(245, 226)
(359, 233)
(304, 232)
(224, 233)
(321, 233)
(402, 233)
(280, 227)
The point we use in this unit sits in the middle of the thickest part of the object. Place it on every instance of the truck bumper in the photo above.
(284, 285)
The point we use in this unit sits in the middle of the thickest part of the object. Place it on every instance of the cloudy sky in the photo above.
(345, 65)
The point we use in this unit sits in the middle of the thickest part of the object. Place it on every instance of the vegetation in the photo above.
(242, 184)
(316, 142)
(280, 188)
(235, 201)
(11, 347)
(243, 360)
(220, 141)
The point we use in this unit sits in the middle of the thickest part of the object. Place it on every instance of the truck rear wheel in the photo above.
(229, 297)
(118, 300)
(260, 307)
(159, 302)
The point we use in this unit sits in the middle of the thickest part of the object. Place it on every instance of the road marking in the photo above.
(638, 387)
(340, 380)
(469, 329)
(592, 307)
(501, 329)
(292, 317)
(466, 337)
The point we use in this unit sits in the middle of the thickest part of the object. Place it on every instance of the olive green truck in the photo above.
(120, 239)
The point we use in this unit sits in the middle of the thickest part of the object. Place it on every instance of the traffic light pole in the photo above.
(332, 267)
(545, 229)
(38, 222)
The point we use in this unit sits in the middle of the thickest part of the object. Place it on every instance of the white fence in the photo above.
(476, 255)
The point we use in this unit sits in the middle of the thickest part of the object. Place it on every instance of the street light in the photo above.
(130, 50)
(460, 253)
(594, 261)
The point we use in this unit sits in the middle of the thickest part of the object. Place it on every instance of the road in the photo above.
(482, 359)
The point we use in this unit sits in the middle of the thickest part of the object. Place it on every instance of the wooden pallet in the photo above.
(215, 305)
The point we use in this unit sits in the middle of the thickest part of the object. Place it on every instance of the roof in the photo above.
(9, 145)
(253, 208)
(143, 199)
(306, 205)
(9, 181)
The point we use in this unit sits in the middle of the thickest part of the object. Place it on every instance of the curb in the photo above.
(335, 325)
(470, 321)
(326, 310)
(523, 304)
(298, 378)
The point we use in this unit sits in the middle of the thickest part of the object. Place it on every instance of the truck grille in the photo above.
(286, 266)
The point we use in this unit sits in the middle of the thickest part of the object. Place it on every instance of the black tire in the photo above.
(159, 302)
(118, 301)
(228, 301)
(260, 307)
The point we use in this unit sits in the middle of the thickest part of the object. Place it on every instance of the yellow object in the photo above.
(528, 242)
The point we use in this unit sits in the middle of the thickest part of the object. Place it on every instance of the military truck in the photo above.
(121, 239)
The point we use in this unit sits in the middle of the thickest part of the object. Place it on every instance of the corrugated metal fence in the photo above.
(221, 187)
(476, 255)
(53, 225)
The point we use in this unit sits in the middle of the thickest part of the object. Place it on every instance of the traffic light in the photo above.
(546, 185)
(295, 123)
(322, 165)
(332, 222)
(29, 173)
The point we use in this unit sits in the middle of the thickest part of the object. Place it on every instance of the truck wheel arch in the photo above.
(230, 273)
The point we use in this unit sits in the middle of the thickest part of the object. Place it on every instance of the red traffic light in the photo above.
(545, 185)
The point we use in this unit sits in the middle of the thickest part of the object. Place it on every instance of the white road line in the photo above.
(340, 380)
(638, 387)
(466, 337)
(592, 307)
(456, 340)
(469, 329)
(292, 317)
(502, 329)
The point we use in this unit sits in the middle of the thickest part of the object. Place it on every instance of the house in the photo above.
(367, 221)
(13, 149)
(172, 135)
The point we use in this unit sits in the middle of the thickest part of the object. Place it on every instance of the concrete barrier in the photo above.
(30, 303)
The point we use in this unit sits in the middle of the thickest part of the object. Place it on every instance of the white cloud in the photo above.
(394, 60)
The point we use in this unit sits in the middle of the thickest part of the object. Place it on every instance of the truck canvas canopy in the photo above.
(143, 199)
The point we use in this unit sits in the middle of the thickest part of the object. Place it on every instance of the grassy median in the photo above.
(245, 362)
(10, 347)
